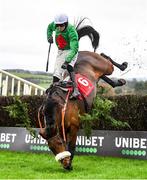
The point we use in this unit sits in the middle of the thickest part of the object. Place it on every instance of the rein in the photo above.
(63, 115)
(39, 121)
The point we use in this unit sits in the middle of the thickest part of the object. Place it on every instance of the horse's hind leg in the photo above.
(122, 66)
(119, 82)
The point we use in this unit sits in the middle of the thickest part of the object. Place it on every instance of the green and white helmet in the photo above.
(61, 19)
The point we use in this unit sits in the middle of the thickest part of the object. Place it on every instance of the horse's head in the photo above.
(53, 105)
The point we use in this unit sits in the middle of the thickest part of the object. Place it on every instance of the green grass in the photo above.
(42, 80)
(19, 165)
(45, 85)
(31, 76)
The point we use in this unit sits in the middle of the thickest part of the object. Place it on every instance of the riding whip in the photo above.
(47, 64)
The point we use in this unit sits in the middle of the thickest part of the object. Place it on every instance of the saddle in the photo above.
(84, 85)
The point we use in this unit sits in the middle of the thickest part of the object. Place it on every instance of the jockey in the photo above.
(66, 38)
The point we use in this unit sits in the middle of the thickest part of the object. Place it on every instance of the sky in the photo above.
(122, 25)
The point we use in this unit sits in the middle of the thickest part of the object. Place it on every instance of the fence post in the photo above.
(12, 87)
(23, 87)
(0, 84)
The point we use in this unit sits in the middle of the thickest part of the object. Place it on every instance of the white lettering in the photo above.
(101, 140)
(130, 142)
(31, 140)
(13, 137)
(92, 141)
(7, 137)
(125, 142)
(42, 141)
(118, 142)
(87, 141)
(78, 141)
(2, 137)
(27, 139)
(142, 144)
(136, 143)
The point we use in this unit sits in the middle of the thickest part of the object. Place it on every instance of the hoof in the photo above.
(124, 66)
(121, 82)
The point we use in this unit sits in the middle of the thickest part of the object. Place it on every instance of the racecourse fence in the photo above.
(129, 108)
(126, 144)
(11, 85)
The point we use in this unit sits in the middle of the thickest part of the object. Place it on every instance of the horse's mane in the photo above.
(84, 29)
(52, 99)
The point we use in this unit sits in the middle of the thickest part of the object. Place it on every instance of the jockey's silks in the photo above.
(65, 40)
(61, 41)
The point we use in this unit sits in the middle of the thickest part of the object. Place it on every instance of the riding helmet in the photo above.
(61, 19)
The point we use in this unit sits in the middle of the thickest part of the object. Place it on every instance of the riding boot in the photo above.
(71, 72)
(76, 92)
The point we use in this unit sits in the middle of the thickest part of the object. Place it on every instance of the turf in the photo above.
(19, 165)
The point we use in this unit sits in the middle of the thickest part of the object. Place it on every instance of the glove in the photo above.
(50, 39)
(64, 65)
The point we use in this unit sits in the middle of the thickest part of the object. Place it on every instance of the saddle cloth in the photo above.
(84, 85)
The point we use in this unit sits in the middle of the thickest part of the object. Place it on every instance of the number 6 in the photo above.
(84, 82)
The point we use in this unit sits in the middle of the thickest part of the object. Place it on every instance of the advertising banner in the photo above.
(130, 144)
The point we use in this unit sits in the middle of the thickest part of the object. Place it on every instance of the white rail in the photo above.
(11, 85)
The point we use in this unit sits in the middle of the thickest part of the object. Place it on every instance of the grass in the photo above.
(20, 165)
(45, 85)
(39, 79)
(31, 76)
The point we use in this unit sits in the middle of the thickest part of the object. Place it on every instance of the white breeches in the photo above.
(58, 71)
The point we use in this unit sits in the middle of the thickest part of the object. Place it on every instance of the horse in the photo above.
(61, 112)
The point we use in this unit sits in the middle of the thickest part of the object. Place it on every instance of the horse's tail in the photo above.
(88, 30)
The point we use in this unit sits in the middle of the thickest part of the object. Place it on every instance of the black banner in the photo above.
(131, 144)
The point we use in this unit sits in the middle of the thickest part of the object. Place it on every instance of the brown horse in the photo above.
(62, 113)
(62, 142)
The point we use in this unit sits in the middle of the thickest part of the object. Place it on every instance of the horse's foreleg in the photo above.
(122, 66)
(72, 136)
(71, 149)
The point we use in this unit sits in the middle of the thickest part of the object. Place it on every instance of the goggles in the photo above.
(60, 25)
